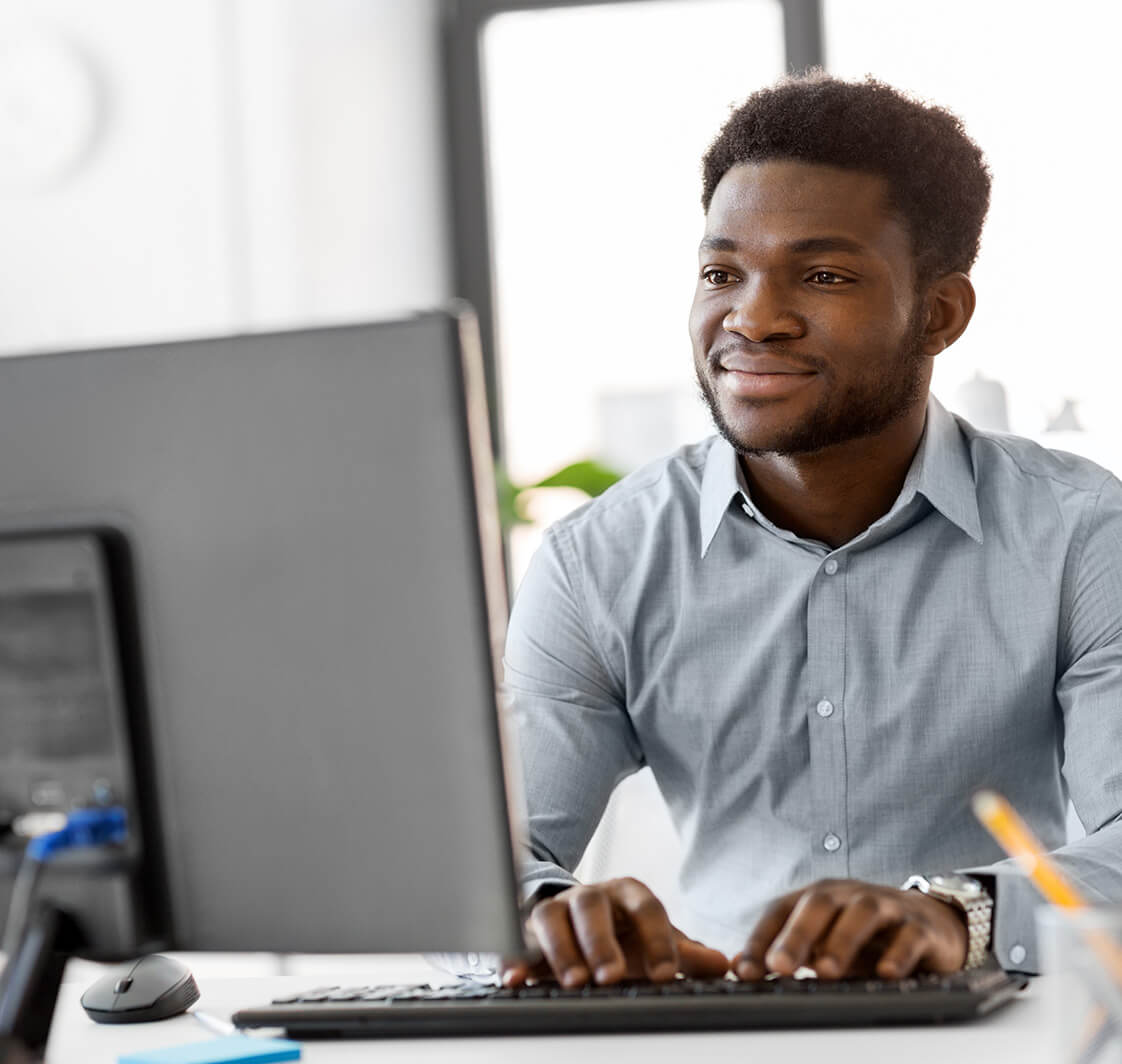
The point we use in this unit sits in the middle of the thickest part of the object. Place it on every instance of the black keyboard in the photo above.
(683, 1004)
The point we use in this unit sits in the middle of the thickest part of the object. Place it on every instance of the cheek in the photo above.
(704, 321)
(872, 329)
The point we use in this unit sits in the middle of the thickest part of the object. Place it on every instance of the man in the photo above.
(826, 627)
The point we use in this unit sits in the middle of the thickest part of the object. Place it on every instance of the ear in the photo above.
(950, 305)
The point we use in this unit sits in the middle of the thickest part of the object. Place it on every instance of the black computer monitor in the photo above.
(300, 535)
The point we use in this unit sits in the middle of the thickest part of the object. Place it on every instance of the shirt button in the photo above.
(825, 707)
(831, 567)
(831, 843)
(1017, 953)
(746, 508)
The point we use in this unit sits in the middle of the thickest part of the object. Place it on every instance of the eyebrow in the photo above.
(798, 247)
(827, 243)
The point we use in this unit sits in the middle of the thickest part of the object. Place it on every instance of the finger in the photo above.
(909, 946)
(550, 924)
(514, 972)
(809, 923)
(647, 918)
(590, 911)
(749, 963)
(863, 916)
(700, 961)
(516, 969)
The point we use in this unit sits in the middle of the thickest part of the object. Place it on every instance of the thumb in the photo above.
(700, 961)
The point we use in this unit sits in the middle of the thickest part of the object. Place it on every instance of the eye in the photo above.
(829, 279)
(715, 277)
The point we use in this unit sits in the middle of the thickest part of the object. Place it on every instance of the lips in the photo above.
(760, 376)
(759, 364)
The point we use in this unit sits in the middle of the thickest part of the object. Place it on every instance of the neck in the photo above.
(834, 494)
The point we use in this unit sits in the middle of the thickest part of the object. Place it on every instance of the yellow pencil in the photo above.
(1001, 820)
(1013, 835)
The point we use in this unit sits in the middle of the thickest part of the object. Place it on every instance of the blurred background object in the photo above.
(983, 403)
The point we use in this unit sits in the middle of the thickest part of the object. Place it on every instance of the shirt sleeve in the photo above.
(575, 738)
(1089, 699)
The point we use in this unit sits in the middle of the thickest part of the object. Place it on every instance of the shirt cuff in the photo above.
(1015, 901)
(541, 879)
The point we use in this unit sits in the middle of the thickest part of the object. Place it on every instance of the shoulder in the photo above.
(1043, 503)
(1002, 454)
(634, 531)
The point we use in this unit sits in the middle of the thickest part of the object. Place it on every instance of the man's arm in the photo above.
(1089, 698)
(576, 742)
(575, 739)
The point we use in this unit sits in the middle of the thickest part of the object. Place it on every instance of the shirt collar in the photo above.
(720, 482)
(941, 471)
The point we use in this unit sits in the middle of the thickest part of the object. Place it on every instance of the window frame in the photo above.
(462, 27)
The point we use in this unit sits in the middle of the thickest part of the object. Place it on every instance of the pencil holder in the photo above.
(1081, 960)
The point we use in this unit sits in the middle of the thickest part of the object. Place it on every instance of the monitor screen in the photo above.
(318, 598)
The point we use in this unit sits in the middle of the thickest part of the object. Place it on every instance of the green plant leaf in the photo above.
(589, 476)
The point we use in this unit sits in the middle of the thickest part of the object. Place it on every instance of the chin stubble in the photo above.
(852, 416)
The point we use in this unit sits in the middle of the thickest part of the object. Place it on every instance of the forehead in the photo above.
(761, 205)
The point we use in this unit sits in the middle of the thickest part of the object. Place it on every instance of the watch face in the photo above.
(957, 884)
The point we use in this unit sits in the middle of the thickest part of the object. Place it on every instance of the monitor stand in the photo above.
(29, 985)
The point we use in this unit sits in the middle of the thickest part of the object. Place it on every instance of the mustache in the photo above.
(800, 361)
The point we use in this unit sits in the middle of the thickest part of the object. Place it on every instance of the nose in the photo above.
(762, 313)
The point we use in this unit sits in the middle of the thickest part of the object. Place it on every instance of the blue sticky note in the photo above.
(234, 1049)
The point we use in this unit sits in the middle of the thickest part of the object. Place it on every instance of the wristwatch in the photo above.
(967, 894)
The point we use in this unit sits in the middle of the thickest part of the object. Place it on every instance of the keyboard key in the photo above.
(313, 996)
(413, 993)
(351, 993)
(383, 993)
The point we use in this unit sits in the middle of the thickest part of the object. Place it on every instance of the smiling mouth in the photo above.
(745, 385)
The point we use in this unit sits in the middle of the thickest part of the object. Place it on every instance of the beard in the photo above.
(865, 408)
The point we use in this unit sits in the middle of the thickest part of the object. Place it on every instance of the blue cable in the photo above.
(99, 826)
(84, 827)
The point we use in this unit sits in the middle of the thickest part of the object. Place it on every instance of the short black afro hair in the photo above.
(937, 176)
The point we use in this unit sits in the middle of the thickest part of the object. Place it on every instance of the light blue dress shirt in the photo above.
(812, 713)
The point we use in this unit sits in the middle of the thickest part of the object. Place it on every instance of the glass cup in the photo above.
(1081, 955)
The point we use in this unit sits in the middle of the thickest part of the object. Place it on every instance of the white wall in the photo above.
(191, 167)
(202, 166)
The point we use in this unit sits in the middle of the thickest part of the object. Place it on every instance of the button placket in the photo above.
(825, 679)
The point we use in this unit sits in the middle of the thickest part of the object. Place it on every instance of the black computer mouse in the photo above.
(152, 988)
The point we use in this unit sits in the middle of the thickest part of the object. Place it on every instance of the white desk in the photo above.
(1019, 1032)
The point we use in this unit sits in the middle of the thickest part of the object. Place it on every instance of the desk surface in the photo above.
(1017, 1032)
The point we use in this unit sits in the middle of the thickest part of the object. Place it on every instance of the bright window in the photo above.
(596, 119)
(1036, 85)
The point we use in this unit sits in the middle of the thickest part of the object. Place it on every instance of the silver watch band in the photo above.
(975, 902)
(979, 924)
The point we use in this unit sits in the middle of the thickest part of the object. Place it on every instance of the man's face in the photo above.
(806, 328)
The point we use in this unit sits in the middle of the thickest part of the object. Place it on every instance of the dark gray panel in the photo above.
(323, 710)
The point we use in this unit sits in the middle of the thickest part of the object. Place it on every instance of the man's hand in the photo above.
(606, 932)
(843, 927)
